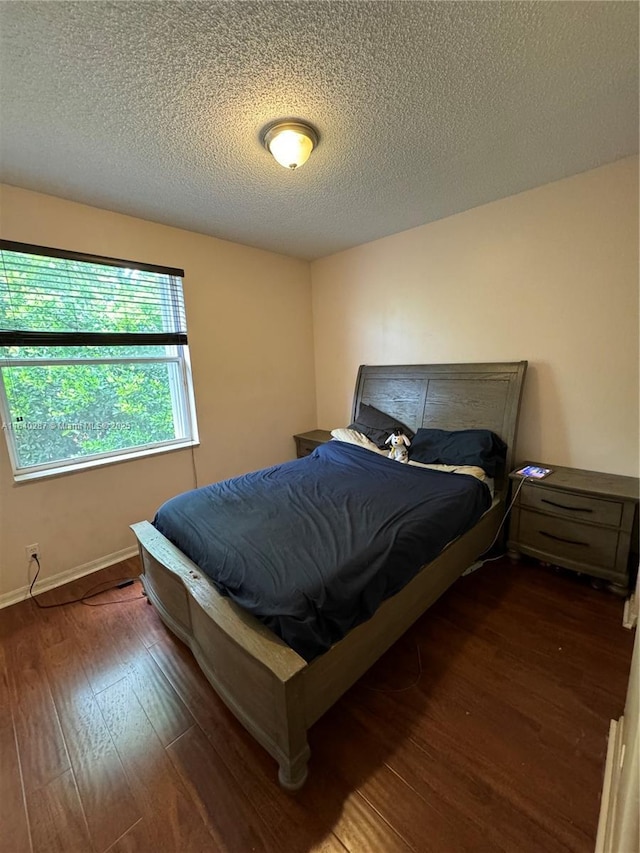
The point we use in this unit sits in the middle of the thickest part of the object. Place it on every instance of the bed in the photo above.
(273, 690)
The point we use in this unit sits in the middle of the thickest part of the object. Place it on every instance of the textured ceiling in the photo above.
(425, 109)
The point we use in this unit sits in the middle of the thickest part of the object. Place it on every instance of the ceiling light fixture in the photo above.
(290, 142)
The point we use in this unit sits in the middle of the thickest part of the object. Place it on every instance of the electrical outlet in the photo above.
(32, 551)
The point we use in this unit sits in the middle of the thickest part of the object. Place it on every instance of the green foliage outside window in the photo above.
(67, 411)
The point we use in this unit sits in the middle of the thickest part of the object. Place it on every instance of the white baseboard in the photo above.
(630, 615)
(610, 787)
(61, 578)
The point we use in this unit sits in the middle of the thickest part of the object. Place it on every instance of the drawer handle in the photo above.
(560, 539)
(564, 506)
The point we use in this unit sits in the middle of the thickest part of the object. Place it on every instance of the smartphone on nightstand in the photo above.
(534, 472)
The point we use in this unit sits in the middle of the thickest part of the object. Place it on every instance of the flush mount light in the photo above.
(290, 142)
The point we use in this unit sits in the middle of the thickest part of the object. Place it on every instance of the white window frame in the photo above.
(183, 407)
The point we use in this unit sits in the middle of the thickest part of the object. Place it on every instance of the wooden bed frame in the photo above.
(274, 692)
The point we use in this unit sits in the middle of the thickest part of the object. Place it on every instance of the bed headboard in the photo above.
(448, 396)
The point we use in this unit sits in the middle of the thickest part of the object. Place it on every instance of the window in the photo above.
(94, 359)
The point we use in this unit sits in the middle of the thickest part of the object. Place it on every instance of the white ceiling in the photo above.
(425, 109)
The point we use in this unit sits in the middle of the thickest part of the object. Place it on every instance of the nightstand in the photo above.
(306, 442)
(580, 520)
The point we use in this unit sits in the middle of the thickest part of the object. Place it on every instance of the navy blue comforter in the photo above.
(312, 547)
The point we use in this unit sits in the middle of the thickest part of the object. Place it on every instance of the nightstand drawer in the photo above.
(571, 505)
(568, 540)
(305, 447)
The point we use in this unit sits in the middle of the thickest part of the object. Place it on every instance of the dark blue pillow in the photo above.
(460, 447)
(377, 425)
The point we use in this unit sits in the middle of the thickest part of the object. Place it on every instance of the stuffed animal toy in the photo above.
(399, 443)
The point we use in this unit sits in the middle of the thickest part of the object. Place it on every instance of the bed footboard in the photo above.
(256, 675)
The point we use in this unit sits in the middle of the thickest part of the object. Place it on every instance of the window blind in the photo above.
(53, 297)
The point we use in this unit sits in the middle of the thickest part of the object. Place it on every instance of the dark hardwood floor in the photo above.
(111, 739)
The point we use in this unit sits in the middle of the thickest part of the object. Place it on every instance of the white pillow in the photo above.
(352, 436)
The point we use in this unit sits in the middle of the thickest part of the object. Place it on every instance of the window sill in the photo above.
(89, 464)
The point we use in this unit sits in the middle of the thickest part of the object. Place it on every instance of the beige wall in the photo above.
(251, 341)
(549, 275)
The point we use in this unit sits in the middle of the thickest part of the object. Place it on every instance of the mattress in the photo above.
(313, 547)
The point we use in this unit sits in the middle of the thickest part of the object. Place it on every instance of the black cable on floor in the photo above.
(84, 599)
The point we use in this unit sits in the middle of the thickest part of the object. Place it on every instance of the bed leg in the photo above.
(293, 774)
(291, 746)
(141, 579)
